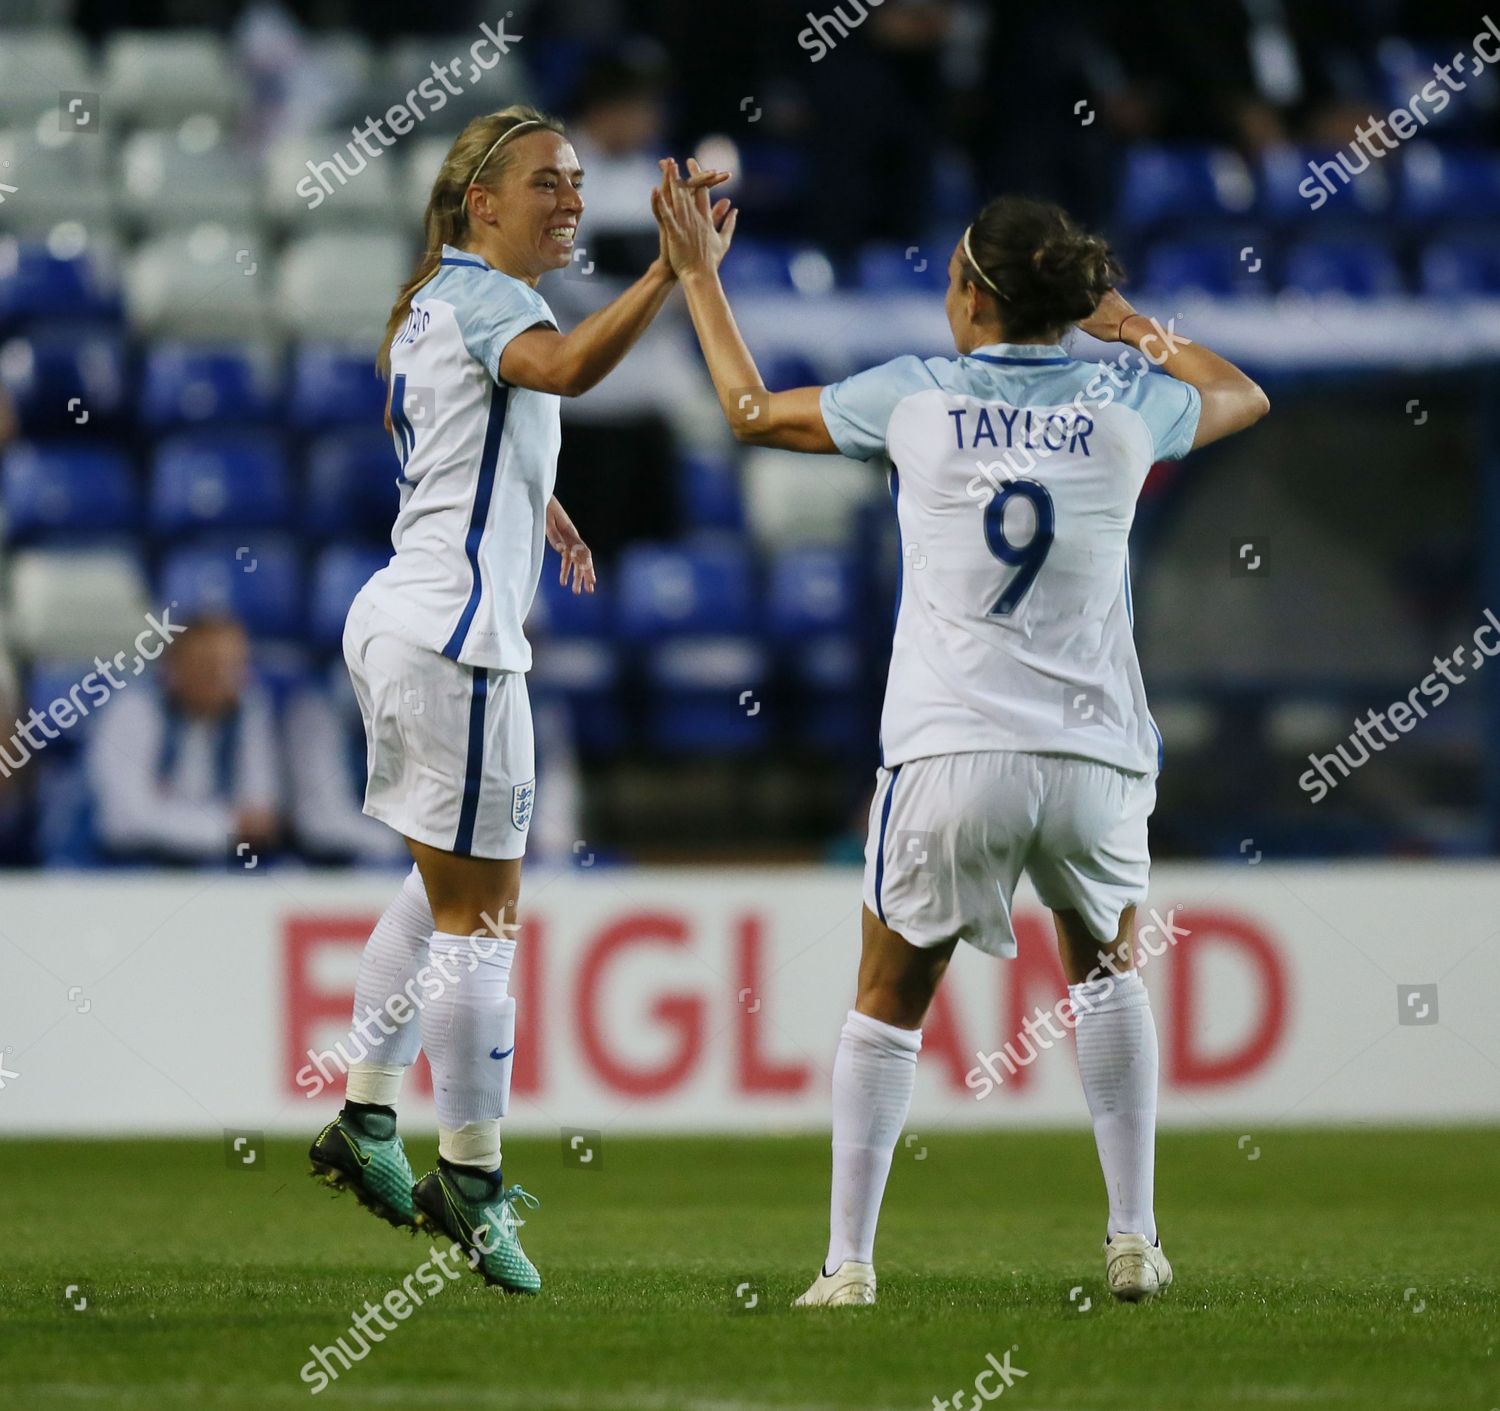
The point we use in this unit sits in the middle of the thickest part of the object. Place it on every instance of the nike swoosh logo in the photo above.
(495, 1053)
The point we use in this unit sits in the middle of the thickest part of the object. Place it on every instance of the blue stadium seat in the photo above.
(260, 583)
(1404, 68)
(776, 266)
(66, 494)
(1229, 267)
(1181, 184)
(219, 480)
(351, 485)
(584, 674)
(1283, 170)
(707, 695)
(830, 715)
(562, 613)
(811, 592)
(1440, 184)
(60, 680)
(61, 381)
(331, 386)
(685, 589)
(36, 285)
(889, 269)
(1356, 267)
(340, 572)
(709, 493)
(186, 385)
(1459, 268)
(783, 371)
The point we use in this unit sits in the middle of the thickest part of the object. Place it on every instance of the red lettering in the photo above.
(1187, 1064)
(680, 1012)
(757, 1073)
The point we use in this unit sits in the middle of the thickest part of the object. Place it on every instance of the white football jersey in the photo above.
(478, 464)
(1014, 471)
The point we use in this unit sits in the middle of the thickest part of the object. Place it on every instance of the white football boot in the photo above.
(852, 1283)
(1134, 1268)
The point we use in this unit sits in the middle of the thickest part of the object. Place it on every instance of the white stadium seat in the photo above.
(171, 180)
(797, 499)
(356, 189)
(342, 286)
(61, 176)
(158, 75)
(75, 603)
(36, 66)
(210, 282)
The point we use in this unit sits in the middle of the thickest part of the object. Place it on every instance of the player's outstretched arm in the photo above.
(1231, 400)
(697, 238)
(570, 363)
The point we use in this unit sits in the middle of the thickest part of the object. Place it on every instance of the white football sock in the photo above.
(873, 1076)
(469, 1034)
(396, 950)
(1117, 1059)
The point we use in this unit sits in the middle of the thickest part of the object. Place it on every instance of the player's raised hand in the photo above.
(700, 180)
(1104, 323)
(577, 557)
(697, 234)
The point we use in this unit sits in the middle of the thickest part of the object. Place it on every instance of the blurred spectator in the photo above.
(325, 747)
(192, 771)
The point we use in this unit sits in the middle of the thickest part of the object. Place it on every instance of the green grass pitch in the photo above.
(1341, 1269)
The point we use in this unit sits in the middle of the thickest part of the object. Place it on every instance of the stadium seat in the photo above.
(216, 480)
(1458, 268)
(709, 493)
(37, 285)
(171, 180)
(560, 613)
(355, 188)
(409, 61)
(1283, 170)
(791, 498)
(423, 162)
(75, 602)
(65, 176)
(889, 269)
(259, 583)
(61, 381)
(351, 485)
(1356, 267)
(36, 67)
(1404, 68)
(1167, 185)
(188, 385)
(341, 286)
(332, 387)
(65, 494)
(339, 573)
(830, 715)
(209, 282)
(153, 76)
(57, 679)
(584, 674)
(1234, 266)
(1439, 184)
(811, 592)
(707, 695)
(684, 589)
(759, 266)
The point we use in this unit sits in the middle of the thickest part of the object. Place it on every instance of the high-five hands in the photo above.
(695, 234)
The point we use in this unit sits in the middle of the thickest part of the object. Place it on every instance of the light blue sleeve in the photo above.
(1170, 409)
(495, 308)
(857, 411)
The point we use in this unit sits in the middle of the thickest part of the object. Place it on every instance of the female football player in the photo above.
(475, 365)
(1015, 734)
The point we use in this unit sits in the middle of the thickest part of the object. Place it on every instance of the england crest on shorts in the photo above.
(521, 799)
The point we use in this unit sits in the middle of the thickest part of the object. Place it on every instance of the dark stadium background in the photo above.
(719, 701)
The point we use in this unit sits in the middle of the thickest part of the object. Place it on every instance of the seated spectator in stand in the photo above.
(184, 764)
(325, 745)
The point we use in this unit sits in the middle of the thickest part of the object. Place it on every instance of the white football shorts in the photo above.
(449, 748)
(950, 836)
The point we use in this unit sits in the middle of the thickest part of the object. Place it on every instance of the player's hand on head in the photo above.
(1104, 323)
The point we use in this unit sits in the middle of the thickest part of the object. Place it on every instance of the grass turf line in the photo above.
(206, 1285)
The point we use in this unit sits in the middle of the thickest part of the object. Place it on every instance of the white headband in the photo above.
(504, 137)
(969, 255)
